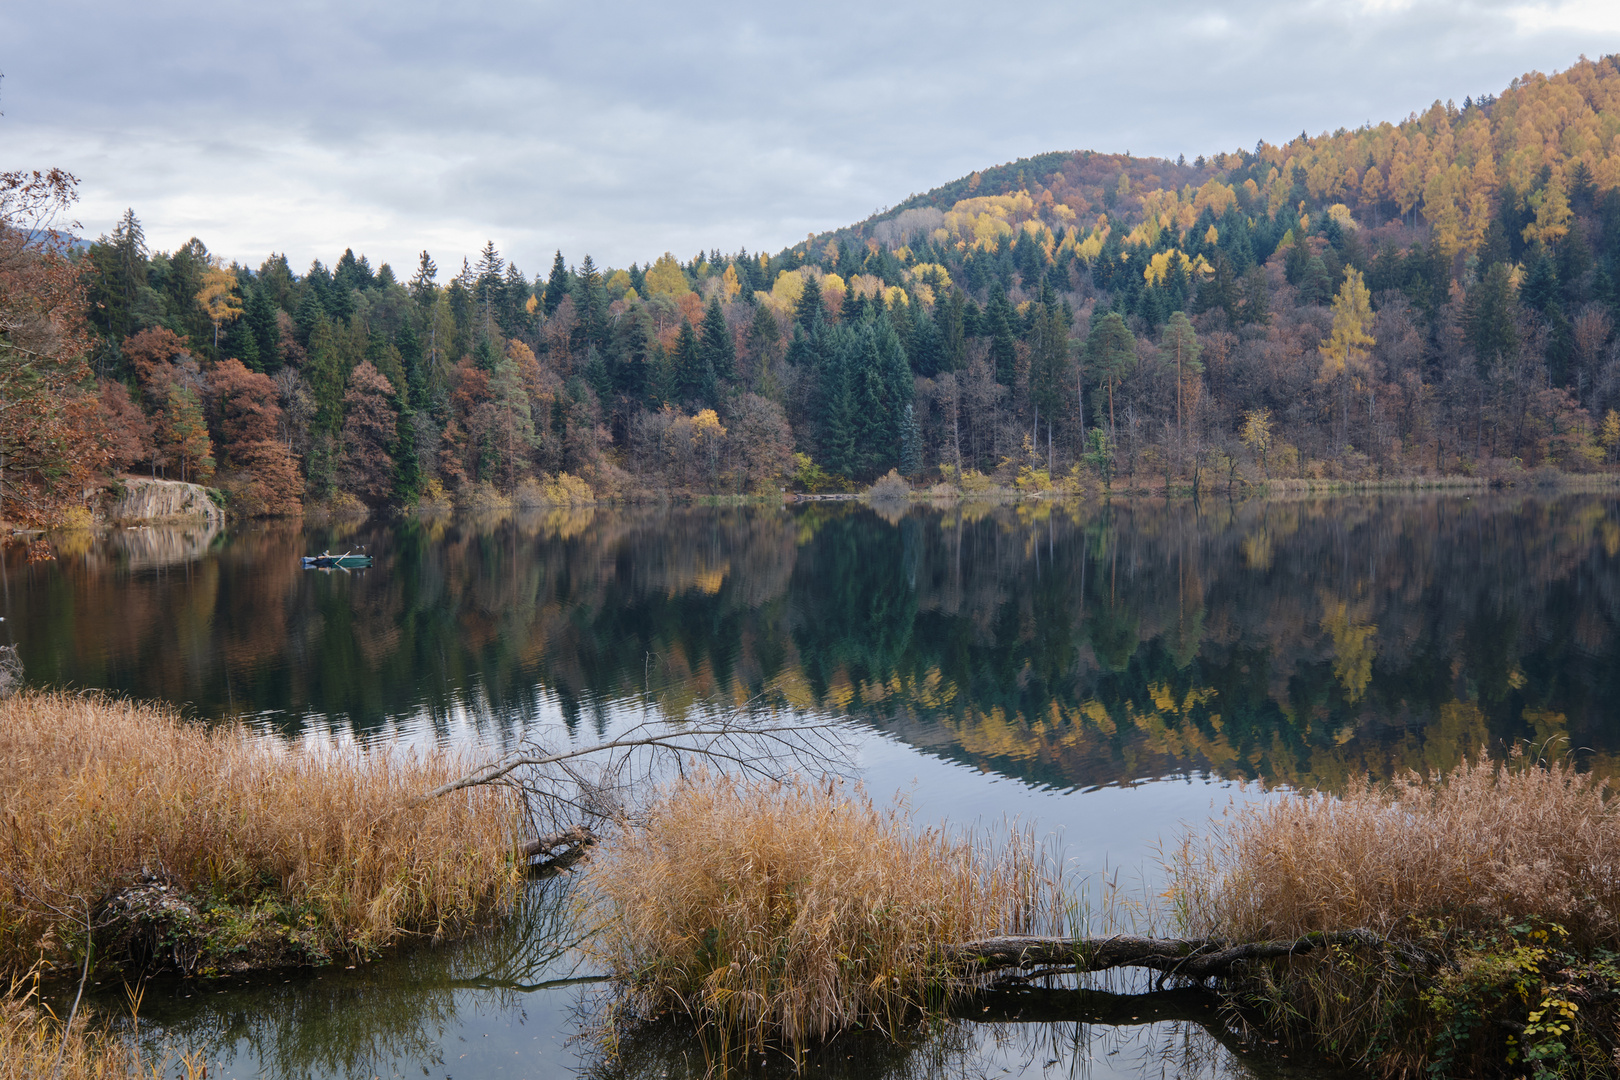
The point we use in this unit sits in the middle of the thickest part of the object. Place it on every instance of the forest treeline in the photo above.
(1436, 296)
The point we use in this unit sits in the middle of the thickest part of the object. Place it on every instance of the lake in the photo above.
(1114, 674)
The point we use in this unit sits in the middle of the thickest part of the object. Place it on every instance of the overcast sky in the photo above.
(629, 128)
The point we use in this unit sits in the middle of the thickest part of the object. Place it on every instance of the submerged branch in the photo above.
(1190, 958)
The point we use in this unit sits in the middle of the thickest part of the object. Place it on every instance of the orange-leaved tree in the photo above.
(52, 441)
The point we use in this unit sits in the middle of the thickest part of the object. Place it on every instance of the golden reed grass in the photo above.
(1488, 842)
(780, 913)
(1509, 870)
(95, 792)
(34, 1046)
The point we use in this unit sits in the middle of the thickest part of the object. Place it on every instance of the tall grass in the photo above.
(98, 794)
(34, 1045)
(1488, 842)
(781, 913)
(1508, 870)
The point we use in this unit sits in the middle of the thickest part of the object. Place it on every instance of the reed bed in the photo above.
(1487, 843)
(1508, 871)
(231, 838)
(780, 913)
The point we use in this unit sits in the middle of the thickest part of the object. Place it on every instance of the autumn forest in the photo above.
(1433, 297)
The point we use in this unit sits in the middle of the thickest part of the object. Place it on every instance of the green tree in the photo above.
(691, 382)
(1110, 356)
(1180, 342)
(556, 285)
(715, 343)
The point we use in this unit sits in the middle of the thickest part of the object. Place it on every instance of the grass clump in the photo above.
(176, 846)
(781, 913)
(1507, 871)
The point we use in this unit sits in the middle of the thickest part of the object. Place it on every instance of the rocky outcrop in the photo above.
(139, 500)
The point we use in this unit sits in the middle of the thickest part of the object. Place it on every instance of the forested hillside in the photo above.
(1432, 296)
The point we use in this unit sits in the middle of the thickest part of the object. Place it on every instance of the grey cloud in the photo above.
(628, 129)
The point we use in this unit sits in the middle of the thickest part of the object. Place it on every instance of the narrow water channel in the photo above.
(1112, 675)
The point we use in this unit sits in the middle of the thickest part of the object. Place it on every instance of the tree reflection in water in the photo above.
(1300, 642)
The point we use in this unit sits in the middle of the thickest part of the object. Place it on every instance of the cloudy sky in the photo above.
(629, 128)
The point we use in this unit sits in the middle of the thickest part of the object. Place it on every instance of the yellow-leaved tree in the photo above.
(666, 278)
(1344, 352)
(218, 296)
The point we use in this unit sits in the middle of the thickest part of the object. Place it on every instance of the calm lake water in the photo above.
(1112, 674)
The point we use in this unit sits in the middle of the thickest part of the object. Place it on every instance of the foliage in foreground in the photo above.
(201, 850)
(779, 913)
(1509, 871)
(36, 1044)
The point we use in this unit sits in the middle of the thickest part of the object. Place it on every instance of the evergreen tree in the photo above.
(590, 304)
(715, 343)
(854, 307)
(691, 382)
(953, 334)
(1110, 355)
(1490, 321)
(424, 287)
(911, 460)
(556, 285)
(489, 288)
(808, 312)
(999, 315)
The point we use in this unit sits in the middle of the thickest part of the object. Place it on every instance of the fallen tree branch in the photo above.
(1191, 958)
(745, 746)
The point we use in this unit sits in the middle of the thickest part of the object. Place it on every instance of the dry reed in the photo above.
(34, 1045)
(99, 794)
(780, 913)
(1488, 842)
(1508, 871)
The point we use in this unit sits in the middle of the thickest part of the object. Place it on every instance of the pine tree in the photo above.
(1110, 355)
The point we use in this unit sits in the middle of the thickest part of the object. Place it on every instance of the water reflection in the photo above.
(510, 1003)
(1300, 642)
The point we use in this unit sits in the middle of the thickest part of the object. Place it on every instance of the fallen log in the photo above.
(1191, 958)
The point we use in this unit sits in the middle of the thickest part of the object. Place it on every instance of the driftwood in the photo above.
(1189, 958)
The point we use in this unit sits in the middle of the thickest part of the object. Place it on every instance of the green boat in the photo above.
(328, 561)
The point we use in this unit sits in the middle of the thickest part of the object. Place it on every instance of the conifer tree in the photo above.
(718, 349)
(556, 285)
(808, 312)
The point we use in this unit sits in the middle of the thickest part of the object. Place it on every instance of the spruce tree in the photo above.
(715, 343)
(808, 312)
(911, 462)
(999, 315)
(556, 285)
(691, 382)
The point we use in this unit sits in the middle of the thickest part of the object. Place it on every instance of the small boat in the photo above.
(328, 561)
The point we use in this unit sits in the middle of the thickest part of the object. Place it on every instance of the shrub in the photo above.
(890, 488)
